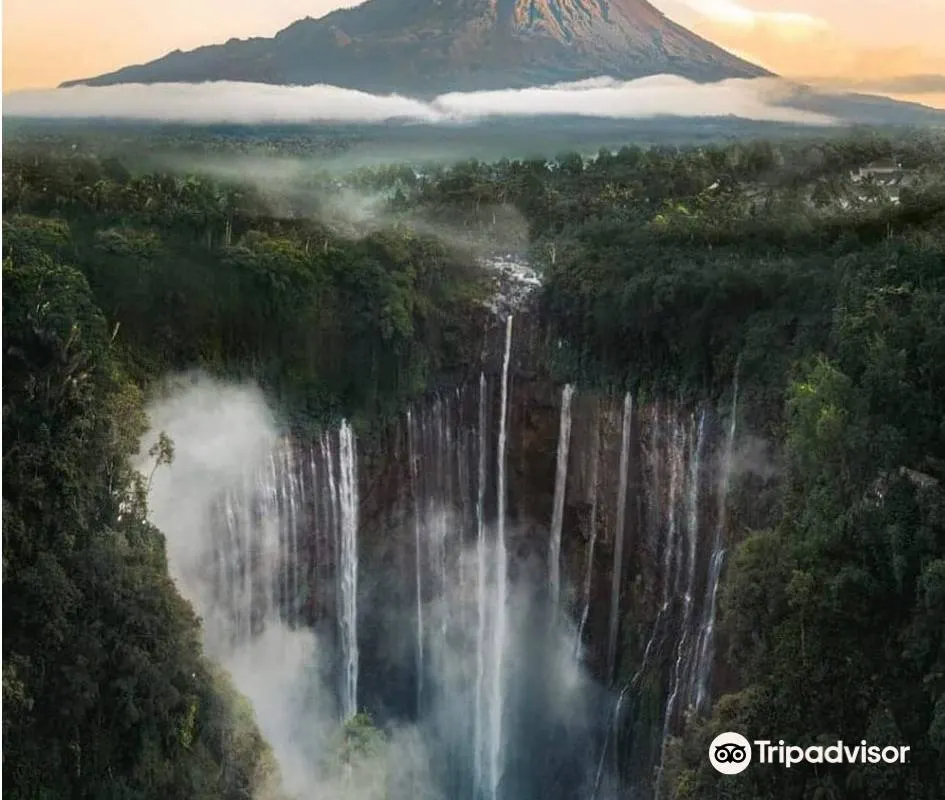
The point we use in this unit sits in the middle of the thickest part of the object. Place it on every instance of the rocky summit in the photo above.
(427, 47)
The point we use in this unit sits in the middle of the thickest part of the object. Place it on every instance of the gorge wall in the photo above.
(525, 574)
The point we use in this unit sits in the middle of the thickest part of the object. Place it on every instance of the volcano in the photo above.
(428, 47)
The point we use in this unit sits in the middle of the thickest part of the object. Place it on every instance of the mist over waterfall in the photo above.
(511, 579)
(237, 508)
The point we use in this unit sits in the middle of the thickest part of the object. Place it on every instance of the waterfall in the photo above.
(465, 492)
(348, 501)
(672, 562)
(270, 545)
(699, 692)
(561, 482)
(499, 633)
(654, 461)
(683, 657)
(618, 535)
(289, 536)
(418, 572)
(692, 530)
(678, 494)
(454, 599)
(592, 538)
(676, 468)
(665, 533)
(481, 580)
(447, 525)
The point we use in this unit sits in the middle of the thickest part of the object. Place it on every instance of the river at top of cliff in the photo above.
(514, 280)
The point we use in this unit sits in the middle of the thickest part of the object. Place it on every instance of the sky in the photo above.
(891, 47)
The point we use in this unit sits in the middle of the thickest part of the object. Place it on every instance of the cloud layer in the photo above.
(658, 95)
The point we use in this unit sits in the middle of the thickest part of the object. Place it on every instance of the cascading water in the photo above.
(592, 536)
(500, 714)
(348, 502)
(654, 457)
(481, 583)
(561, 483)
(260, 521)
(693, 444)
(499, 633)
(683, 656)
(418, 557)
(473, 686)
(675, 498)
(262, 539)
(699, 693)
(619, 535)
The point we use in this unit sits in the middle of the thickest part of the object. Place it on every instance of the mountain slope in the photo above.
(427, 47)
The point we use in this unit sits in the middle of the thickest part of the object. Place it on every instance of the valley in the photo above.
(501, 480)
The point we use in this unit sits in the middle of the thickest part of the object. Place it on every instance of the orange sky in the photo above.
(889, 47)
(845, 43)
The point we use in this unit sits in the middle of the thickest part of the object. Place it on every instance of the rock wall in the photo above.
(655, 495)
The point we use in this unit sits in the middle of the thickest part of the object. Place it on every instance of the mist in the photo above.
(758, 99)
(233, 462)
(289, 191)
(755, 456)
(219, 431)
(222, 433)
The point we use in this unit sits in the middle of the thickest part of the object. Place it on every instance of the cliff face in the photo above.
(427, 47)
(507, 551)
(651, 506)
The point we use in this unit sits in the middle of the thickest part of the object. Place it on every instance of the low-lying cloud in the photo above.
(225, 101)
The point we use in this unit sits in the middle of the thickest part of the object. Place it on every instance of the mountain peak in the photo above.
(567, 20)
(427, 47)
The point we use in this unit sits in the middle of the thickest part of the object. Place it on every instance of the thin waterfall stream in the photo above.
(418, 551)
(617, 582)
(561, 484)
(592, 536)
(501, 558)
(348, 501)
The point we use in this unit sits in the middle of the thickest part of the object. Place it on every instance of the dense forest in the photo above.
(664, 270)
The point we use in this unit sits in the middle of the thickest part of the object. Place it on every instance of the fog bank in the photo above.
(225, 101)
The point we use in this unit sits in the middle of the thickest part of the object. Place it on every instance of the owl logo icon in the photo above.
(730, 753)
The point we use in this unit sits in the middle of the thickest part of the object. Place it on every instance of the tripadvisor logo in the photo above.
(731, 753)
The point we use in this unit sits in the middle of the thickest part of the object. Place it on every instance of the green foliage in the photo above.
(106, 694)
(834, 619)
(198, 274)
(357, 761)
(359, 740)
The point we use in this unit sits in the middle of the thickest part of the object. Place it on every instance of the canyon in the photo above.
(525, 573)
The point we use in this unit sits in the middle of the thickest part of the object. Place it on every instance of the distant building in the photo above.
(885, 173)
(890, 175)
